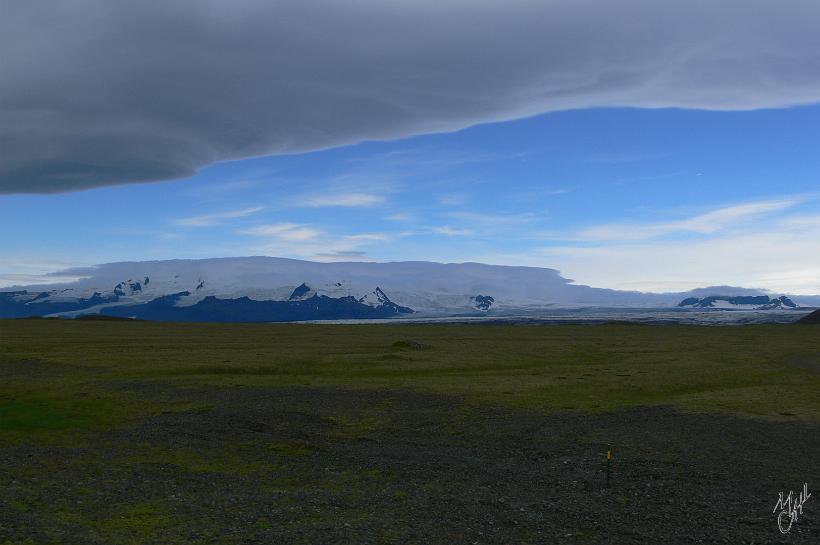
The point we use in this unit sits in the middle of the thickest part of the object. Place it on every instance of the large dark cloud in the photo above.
(95, 92)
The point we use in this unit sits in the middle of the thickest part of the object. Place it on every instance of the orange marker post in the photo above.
(608, 464)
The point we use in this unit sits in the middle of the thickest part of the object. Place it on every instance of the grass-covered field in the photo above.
(120, 432)
(754, 370)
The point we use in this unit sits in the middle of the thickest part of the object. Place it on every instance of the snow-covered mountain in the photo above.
(278, 289)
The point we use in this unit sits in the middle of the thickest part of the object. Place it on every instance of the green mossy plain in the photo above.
(762, 370)
(69, 386)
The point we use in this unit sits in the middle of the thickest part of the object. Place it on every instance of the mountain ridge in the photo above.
(341, 290)
(745, 302)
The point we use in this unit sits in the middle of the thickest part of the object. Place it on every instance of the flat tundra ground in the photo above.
(146, 433)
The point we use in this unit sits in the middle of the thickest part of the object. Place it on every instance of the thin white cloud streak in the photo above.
(349, 200)
(451, 231)
(368, 237)
(477, 224)
(453, 199)
(209, 220)
(401, 217)
(479, 219)
(304, 241)
(480, 225)
(284, 231)
(704, 224)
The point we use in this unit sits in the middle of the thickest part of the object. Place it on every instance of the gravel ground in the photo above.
(316, 466)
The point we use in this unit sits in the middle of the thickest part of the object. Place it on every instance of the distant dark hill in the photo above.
(813, 318)
(756, 302)
(102, 318)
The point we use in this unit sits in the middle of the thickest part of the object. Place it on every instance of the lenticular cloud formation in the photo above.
(95, 92)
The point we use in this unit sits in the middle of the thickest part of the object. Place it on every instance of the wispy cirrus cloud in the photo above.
(284, 231)
(209, 220)
(493, 219)
(453, 199)
(703, 224)
(368, 237)
(452, 231)
(401, 217)
(479, 224)
(306, 241)
(350, 200)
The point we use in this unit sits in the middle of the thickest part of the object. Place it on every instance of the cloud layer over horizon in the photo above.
(97, 93)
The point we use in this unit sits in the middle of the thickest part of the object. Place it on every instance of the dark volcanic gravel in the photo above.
(315, 466)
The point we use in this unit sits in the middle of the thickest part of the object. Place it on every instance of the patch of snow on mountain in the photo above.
(435, 289)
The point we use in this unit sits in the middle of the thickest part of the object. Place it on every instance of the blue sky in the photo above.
(635, 144)
(629, 198)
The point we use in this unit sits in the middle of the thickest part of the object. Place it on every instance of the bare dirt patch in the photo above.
(323, 465)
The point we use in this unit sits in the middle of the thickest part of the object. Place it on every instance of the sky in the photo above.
(571, 135)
